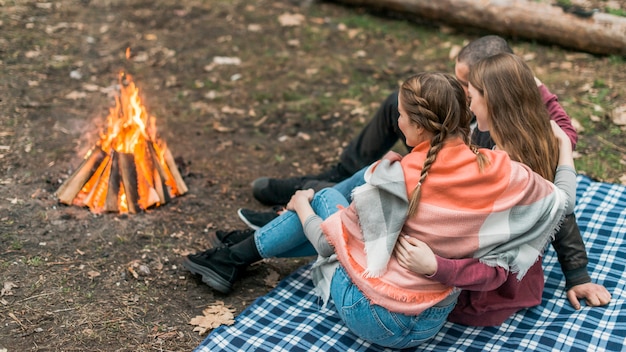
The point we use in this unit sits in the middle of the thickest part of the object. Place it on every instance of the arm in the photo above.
(466, 274)
(575, 267)
(311, 223)
(572, 255)
(557, 113)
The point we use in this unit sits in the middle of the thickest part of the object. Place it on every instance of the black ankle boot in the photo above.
(229, 238)
(220, 267)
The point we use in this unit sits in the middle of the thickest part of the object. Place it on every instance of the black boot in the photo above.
(276, 191)
(229, 238)
(220, 267)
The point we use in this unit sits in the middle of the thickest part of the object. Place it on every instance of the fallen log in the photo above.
(598, 33)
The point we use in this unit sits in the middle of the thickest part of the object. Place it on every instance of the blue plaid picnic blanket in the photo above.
(289, 318)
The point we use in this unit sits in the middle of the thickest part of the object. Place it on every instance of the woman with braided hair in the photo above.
(460, 201)
(506, 102)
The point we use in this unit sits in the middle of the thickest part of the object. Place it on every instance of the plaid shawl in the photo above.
(512, 238)
(382, 206)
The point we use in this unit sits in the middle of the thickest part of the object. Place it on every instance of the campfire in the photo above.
(130, 168)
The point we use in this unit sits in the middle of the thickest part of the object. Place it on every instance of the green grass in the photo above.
(34, 261)
(616, 12)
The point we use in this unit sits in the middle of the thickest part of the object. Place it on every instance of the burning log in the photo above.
(70, 188)
(130, 169)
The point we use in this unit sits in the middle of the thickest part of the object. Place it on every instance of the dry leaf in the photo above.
(454, 52)
(271, 280)
(93, 274)
(623, 179)
(6, 289)
(76, 95)
(223, 60)
(214, 316)
(619, 116)
(229, 110)
(304, 136)
(577, 126)
(290, 20)
(219, 128)
(254, 27)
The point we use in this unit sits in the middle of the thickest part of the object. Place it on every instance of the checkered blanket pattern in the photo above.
(289, 317)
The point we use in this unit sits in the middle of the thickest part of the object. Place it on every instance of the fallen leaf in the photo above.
(219, 128)
(32, 54)
(254, 27)
(304, 136)
(214, 316)
(76, 95)
(577, 126)
(454, 52)
(619, 115)
(623, 179)
(229, 110)
(223, 60)
(93, 274)
(271, 280)
(290, 20)
(260, 121)
(6, 289)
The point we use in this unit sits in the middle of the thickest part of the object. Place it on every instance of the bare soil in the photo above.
(72, 280)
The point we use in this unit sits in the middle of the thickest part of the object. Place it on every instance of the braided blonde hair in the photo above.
(437, 103)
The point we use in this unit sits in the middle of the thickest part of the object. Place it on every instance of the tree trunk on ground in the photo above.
(600, 33)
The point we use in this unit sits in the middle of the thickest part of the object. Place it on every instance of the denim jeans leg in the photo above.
(346, 186)
(284, 236)
(378, 325)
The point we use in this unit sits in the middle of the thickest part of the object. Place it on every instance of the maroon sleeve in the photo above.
(469, 274)
(558, 114)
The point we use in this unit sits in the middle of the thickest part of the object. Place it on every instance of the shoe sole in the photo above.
(243, 218)
(209, 277)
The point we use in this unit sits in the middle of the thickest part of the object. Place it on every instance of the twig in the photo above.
(17, 321)
(611, 144)
(37, 296)
(109, 321)
(62, 310)
(60, 263)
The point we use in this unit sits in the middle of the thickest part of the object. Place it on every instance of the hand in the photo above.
(299, 198)
(559, 133)
(415, 255)
(565, 145)
(595, 295)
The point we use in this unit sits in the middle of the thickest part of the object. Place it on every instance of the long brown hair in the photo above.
(519, 122)
(436, 102)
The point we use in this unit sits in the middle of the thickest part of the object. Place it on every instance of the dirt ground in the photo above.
(311, 74)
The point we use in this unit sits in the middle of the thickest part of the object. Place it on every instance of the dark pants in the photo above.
(375, 139)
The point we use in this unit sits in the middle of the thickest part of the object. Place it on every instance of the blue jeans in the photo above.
(378, 325)
(284, 237)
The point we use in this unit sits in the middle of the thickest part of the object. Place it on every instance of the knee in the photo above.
(330, 195)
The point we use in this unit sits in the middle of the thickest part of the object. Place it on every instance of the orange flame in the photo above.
(135, 153)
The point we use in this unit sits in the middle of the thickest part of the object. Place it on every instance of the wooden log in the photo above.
(97, 187)
(145, 175)
(129, 181)
(70, 188)
(180, 186)
(112, 203)
(599, 33)
(159, 176)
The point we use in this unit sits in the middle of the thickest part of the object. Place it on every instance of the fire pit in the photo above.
(130, 168)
